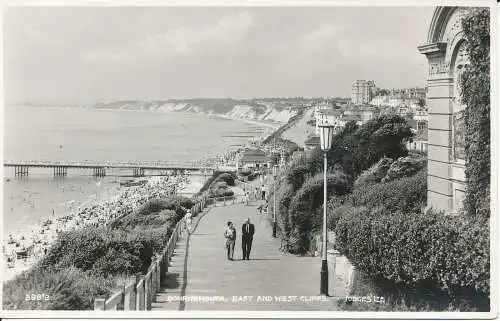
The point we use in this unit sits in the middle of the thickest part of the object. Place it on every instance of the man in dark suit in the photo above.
(247, 231)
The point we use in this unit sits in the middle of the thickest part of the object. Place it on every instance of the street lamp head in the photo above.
(326, 136)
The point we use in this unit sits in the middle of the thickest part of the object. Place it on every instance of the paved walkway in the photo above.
(199, 267)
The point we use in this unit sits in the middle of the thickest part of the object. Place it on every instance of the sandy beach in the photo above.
(22, 250)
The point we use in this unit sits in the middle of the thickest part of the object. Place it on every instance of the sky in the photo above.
(92, 54)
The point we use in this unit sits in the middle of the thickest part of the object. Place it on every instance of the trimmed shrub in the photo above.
(420, 252)
(407, 194)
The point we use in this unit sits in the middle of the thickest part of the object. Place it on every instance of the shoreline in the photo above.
(98, 212)
(94, 213)
(271, 124)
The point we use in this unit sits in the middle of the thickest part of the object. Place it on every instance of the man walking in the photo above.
(263, 189)
(230, 236)
(247, 231)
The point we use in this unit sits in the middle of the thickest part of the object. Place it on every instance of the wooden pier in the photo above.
(60, 169)
(21, 170)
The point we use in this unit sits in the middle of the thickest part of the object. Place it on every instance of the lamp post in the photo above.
(275, 172)
(326, 137)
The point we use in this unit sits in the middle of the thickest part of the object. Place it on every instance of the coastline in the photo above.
(107, 210)
(273, 125)
(46, 233)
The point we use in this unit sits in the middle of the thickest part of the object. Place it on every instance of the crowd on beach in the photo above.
(26, 248)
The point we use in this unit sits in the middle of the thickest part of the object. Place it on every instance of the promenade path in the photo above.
(199, 267)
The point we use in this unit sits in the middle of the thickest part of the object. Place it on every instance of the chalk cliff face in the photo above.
(234, 109)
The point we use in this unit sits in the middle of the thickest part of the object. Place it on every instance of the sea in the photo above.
(44, 133)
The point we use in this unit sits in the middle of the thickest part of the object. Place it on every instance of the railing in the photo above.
(128, 164)
(140, 293)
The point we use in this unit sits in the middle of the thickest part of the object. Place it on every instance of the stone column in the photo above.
(439, 100)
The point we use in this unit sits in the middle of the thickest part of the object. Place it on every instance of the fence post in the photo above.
(165, 263)
(158, 277)
(125, 298)
(162, 268)
(153, 282)
(99, 304)
(137, 278)
(139, 299)
(147, 291)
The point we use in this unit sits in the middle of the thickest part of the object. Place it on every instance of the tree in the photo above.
(355, 148)
(381, 137)
(475, 87)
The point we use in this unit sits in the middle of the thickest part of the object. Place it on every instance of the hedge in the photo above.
(407, 194)
(303, 208)
(423, 252)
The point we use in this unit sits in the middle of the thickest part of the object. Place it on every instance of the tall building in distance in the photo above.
(362, 91)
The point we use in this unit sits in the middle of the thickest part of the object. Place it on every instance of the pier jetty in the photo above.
(21, 168)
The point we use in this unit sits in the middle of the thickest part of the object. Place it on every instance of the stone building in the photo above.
(447, 58)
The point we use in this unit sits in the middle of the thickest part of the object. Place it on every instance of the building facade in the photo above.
(327, 116)
(362, 91)
(447, 58)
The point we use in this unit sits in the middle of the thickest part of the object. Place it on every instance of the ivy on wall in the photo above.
(475, 87)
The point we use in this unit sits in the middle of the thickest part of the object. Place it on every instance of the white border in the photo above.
(288, 314)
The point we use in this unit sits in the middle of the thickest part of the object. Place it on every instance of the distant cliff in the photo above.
(272, 111)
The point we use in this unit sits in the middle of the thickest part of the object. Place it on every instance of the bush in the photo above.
(172, 209)
(175, 203)
(104, 251)
(405, 167)
(296, 176)
(79, 266)
(304, 204)
(68, 289)
(356, 149)
(337, 207)
(220, 189)
(420, 252)
(213, 179)
(146, 221)
(374, 174)
(408, 194)
(226, 177)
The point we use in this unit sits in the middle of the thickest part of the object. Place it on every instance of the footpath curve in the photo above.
(199, 267)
